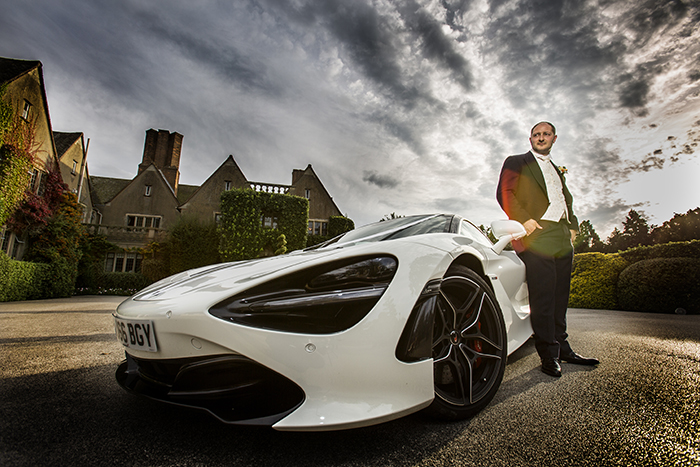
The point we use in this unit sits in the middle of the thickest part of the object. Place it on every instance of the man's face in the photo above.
(542, 138)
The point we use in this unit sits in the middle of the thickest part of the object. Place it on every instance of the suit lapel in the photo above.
(535, 171)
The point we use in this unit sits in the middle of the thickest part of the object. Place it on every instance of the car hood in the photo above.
(236, 274)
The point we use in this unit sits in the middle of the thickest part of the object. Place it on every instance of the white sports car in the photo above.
(413, 313)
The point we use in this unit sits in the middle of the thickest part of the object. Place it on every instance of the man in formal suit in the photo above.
(532, 191)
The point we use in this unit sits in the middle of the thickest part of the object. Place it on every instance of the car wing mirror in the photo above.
(506, 232)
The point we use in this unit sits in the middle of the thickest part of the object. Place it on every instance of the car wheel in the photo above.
(469, 346)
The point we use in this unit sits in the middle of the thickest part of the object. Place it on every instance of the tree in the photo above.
(636, 229)
(615, 242)
(388, 217)
(587, 240)
(680, 228)
(635, 232)
(488, 231)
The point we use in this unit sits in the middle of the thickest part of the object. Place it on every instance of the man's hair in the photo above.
(554, 130)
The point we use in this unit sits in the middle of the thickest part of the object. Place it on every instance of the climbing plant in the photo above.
(17, 150)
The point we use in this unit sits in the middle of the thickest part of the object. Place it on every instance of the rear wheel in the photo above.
(469, 346)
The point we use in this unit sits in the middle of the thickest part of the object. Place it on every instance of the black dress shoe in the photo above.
(551, 367)
(573, 357)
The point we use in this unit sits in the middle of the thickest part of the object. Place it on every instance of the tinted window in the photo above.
(394, 228)
(437, 224)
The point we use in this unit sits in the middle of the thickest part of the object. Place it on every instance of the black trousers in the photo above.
(548, 259)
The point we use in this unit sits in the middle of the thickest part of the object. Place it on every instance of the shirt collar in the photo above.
(542, 157)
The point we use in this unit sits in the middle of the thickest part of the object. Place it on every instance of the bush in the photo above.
(661, 285)
(594, 280)
(116, 283)
(58, 280)
(20, 280)
(689, 249)
(338, 225)
(192, 244)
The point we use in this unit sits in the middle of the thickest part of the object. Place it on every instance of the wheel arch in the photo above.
(474, 263)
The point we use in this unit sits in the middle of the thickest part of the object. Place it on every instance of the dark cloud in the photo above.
(436, 45)
(222, 57)
(634, 92)
(404, 132)
(382, 181)
(371, 42)
(653, 16)
(648, 163)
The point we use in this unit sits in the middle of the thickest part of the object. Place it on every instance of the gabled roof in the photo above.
(185, 192)
(11, 69)
(64, 141)
(103, 189)
(310, 169)
(229, 160)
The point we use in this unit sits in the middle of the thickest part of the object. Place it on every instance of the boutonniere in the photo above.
(562, 170)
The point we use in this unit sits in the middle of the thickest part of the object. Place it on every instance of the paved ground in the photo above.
(641, 406)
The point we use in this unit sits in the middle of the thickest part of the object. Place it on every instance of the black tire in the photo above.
(469, 346)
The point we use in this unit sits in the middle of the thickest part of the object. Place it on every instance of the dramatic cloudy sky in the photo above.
(400, 106)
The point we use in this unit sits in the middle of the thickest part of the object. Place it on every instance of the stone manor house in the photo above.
(133, 212)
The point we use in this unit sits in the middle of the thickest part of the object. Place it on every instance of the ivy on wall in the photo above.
(16, 158)
(244, 214)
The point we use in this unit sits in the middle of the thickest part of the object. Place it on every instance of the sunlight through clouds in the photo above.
(400, 106)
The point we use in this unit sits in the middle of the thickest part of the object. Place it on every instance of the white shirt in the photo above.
(555, 190)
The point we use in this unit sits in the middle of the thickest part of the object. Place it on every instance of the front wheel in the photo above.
(469, 346)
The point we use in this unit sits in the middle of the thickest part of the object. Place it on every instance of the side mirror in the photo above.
(506, 232)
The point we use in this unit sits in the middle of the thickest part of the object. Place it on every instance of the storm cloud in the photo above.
(401, 106)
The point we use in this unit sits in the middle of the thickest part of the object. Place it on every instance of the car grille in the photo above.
(233, 388)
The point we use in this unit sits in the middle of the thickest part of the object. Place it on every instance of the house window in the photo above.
(32, 180)
(143, 221)
(75, 166)
(307, 193)
(16, 248)
(147, 191)
(318, 228)
(122, 261)
(269, 221)
(26, 111)
(217, 218)
(227, 185)
(42, 184)
(5, 239)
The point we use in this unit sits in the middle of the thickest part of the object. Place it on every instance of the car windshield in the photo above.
(393, 229)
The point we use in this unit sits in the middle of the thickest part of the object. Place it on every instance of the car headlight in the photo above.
(319, 300)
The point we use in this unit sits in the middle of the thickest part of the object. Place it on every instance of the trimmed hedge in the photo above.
(116, 283)
(20, 280)
(594, 279)
(689, 249)
(338, 225)
(661, 285)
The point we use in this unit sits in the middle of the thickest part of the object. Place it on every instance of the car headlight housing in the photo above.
(319, 300)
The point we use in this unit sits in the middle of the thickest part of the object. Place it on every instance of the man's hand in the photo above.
(573, 236)
(531, 225)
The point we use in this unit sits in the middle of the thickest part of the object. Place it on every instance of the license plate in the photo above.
(136, 334)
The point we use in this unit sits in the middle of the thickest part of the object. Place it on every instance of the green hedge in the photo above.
(594, 280)
(661, 285)
(116, 283)
(689, 249)
(338, 225)
(20, 280)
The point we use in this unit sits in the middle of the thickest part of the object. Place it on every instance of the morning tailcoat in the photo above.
(522, 192)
